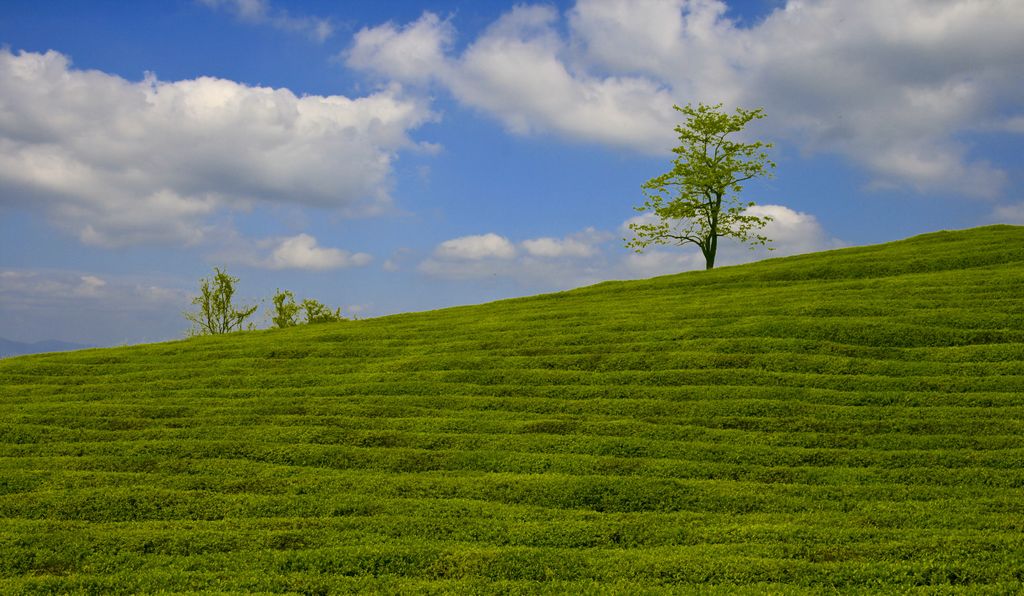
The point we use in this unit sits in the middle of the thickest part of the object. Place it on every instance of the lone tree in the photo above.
(216, 312)
(696, 201)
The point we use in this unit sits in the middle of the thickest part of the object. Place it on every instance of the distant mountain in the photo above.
(16, 348)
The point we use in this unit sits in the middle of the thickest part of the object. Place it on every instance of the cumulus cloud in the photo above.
(415, 52)
(302, 252)
(552, 247)
(567, 261)
(581, 245)
(515, 72)
(475, 248)
(540, 262)
(590, 256)
(891, 84)
(793, 232)
(119, 162)
(260, 12)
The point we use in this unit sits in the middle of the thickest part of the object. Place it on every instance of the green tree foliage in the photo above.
(286, 312)
(696, 202)
(320, 313)
(216, 312)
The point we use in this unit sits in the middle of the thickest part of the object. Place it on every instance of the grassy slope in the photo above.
(851, 419)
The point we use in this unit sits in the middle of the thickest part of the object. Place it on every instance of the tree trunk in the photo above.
(709, 254)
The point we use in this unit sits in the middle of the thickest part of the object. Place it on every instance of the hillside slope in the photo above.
(850, 419)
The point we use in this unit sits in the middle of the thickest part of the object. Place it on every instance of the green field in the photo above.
(850, 420)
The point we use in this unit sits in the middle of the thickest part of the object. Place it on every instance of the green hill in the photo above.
(843, 420)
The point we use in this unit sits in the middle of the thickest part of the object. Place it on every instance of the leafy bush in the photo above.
(286, 312)
(320, 313)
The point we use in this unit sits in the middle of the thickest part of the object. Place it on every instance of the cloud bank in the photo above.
(89, 308)
(892, 85)
(118, 162)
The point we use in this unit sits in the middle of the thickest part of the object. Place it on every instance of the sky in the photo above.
(390, 157)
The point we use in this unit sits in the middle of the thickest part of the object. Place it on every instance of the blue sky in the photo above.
(397, 156)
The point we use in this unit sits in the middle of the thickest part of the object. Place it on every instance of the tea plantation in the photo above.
(843, 421)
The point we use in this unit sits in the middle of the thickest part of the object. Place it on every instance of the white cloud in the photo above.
(1011, 214)
(302, 252)
(89, 308)
(415, 52)
(890, 84)
(260, 12)
(793, 232)
(90, 286)
(19, 286)
(592, 255)
(690, 46)
(581, 245)
(475, 248)
(542, 263)
(514, 71)
(119, 162)
(552, 247)
(42, 287)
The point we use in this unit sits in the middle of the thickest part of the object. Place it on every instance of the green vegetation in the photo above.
(316, 312)
(286, 311)
(697, 201)
(851, 420)
(217, 313)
